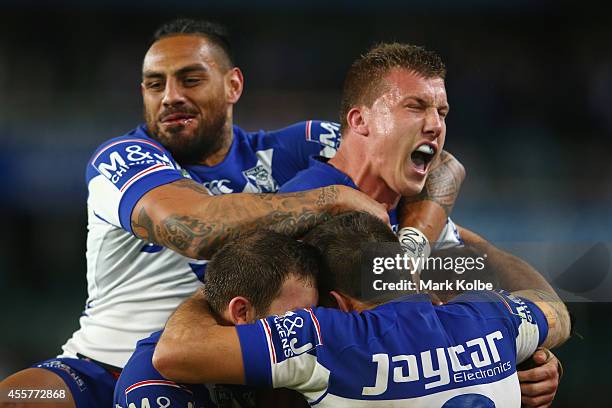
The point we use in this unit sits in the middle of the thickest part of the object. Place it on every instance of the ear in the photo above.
(240, 310)
(142, 89)
(356, 119)
(344, 304)
(234, 81)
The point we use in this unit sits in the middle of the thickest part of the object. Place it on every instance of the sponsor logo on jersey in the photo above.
(516, 306)
(327, 134)
(292, 334)
(125, 161)
(477, 359)
(219, 187)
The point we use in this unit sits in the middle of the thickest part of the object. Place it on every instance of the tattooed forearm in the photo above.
(181, 231)
(443, 183)
(559, 322)
(184, 217)
(297, 225)
(191, 185)
(328, 195)
(190, 235)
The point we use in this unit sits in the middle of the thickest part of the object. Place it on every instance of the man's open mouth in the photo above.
(422, 156)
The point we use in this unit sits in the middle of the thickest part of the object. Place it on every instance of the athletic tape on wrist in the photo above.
(414, 242)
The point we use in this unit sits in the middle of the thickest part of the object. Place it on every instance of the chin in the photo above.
(412, 189)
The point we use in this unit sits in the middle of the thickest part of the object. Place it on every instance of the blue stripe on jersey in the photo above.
(139, 189)
(256, 355)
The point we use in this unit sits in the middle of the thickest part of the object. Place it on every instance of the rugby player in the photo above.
(393, 129)
(152, 219)
(285, 272)
(404, 351)
(393, 132)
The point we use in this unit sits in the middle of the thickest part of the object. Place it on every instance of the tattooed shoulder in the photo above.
(143, 226)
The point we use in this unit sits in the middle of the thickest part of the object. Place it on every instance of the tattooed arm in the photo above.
(517, 276)
(429, 210)
(184, 217)
(195, 348)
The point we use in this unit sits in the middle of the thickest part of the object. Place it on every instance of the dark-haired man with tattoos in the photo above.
(393, 134)
(153, 219)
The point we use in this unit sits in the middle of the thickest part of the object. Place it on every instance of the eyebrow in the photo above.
(185, 70)
(416, 99)
(424, 102)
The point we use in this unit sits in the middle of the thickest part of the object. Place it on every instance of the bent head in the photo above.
(189, 86)
(394, 100)
(261, 274)
(343, 244)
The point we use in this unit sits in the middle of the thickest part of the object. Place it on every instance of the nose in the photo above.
(173, 94)
(433, 123)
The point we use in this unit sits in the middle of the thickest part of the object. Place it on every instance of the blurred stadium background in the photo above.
(529, 83)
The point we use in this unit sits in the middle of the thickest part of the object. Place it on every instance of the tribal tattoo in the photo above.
(558, 317)
(443, 183)
(189, 233)
(143, 227)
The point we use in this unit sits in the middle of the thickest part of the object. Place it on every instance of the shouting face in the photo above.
(406, 129)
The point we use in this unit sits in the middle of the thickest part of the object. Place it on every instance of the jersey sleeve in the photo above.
(281, 351)
(151, 391)
(303, 181)
(295, 144)
(140, 384)
(449, 237)
(121, 172)
(526, 320)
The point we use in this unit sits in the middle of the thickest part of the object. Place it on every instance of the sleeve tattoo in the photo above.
(291, 214)
(443, 183)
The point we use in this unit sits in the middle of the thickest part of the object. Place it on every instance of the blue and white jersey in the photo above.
(404, 353)
(321, 174)
(141, 385)
(133, 286)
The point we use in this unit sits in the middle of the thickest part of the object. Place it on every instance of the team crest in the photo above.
(260, 178)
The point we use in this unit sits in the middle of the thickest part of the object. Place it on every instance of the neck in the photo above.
(219, 155)
(360, 168)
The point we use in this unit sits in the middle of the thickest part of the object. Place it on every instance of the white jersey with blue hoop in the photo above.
(133, 286)
(405, 353)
